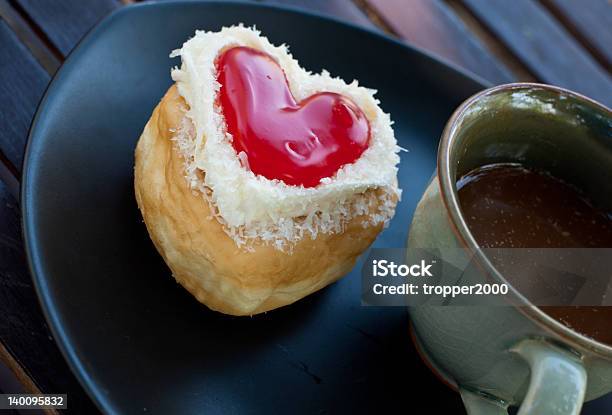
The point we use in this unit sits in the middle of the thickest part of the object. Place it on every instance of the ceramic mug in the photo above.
(500, 356)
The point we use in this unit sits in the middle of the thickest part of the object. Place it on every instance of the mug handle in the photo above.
(480, 404)
(557, 385)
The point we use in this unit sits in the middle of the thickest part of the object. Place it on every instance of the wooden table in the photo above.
(562, 42)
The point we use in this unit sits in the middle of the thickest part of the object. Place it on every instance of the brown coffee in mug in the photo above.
(508, 205)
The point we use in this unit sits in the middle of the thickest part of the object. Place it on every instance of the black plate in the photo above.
(137, 340)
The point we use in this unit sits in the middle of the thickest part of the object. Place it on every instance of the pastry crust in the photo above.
(204, 259)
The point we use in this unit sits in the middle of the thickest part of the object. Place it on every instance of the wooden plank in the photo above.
(9, 380)
(26, 343)
(65, 22)
(431, 25)
(22, 83)
(498, 49)
(8, 176)
(26, 339)
(590, 22)
(342, 9)
(28, 36)
(544, 46)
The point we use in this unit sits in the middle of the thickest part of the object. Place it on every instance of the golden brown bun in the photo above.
(203, 258)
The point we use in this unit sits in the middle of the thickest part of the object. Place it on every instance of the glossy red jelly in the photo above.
(299, 143)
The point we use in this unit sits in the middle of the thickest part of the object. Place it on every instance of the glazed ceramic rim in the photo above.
(460, 228)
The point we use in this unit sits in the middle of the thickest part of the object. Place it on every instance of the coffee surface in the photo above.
(510, 206)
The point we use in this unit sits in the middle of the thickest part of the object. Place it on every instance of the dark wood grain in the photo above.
(28, 35)
(342, 9)
(431, 25)
(497, 48)
(64, 22)
(27, 345)
(590, 22)
(22, 83)
(544, 45)
(9, 176)
(23, 329)
(15, 380)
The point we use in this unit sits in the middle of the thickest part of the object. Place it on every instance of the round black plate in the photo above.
(137, 340)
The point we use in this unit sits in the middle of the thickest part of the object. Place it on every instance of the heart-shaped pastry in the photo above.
(299, 143)
(259, 181)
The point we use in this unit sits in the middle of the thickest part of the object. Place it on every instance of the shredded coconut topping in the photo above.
(252, 207)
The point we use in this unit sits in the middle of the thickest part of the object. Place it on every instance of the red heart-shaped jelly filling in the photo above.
(297, 142)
